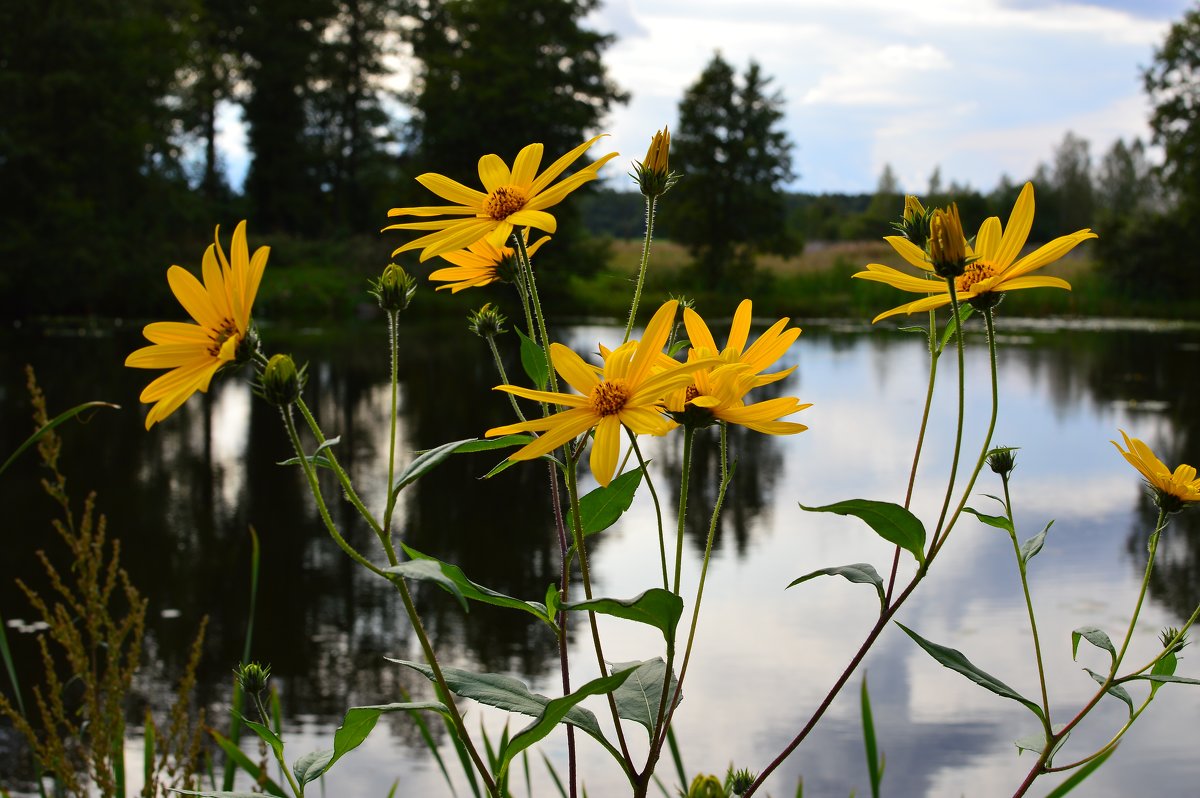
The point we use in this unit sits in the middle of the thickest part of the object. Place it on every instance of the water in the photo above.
(182, 497)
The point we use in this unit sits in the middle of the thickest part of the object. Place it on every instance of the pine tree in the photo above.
(734, 158)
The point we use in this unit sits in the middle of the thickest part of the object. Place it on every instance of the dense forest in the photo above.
(111, 165)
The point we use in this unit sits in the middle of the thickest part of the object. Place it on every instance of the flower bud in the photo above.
(1002, 460)
(706, 787)
(653, 175)
(739, 780)
(1170, 633)
(914, 223)
(947, 245)
(252, 677)
(487, 322)
(280, 382)
(394, 289)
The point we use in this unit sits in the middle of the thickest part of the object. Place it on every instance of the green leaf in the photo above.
(998, 521)
(317, 461)
(601, 508)
(964, 313)
(269, 737)
(507, 693)
(221, 794)
(238, 757)
(957, 661)
(1036, 742)
(1115, 690)
(488, 444)
(425, 462)
(1032, 546)
(453, 580)
(890, 521)
(327, 443)
(312, 765)
(1164, 666)
(860, 572)
(1094, 636)
(678, 346)
(1078, 776)
(1163, 678)
(639, 697)
(51, 424)
(874, 763)
(556, 710)
(656, 607)
(534, 360)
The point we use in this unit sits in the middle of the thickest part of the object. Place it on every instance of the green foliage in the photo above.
(657, 607)
(1172, 82)
(639, 698)
(863, 573)
(601, 507)
(891, 522)
(735, 158)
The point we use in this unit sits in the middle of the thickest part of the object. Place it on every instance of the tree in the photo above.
(1125, 182)
(1172, 82)
(735, 159)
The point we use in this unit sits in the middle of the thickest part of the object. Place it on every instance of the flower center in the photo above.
(220, 335)
(504, 202)
(691, 393)
(609, 397)
(976, 273)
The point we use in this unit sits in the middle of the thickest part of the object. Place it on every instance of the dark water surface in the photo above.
(182, 496)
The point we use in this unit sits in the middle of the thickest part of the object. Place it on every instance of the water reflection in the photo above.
(183, 497)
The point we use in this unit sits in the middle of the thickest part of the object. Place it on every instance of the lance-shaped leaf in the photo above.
(244, 762)
(1078, 776)
(998, 521)
(356, 726)
(601, 508)
(425, 462)
(451, 579)
(964, 312)
(860, 572)
(555, 711)
(1032, 546)
(1115, 690)
(1096, 637)
(534, 361)
(1036, 742)
(956, 661)
(220, 794)
(51, 424)
(890, 521)
(507, 693)
(268, 736)
(657, 607)
(317, 459)
(639, 697)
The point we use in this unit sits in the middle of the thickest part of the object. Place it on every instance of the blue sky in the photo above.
(980, 88)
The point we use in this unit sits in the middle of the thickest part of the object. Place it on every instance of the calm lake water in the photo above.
(182, 496)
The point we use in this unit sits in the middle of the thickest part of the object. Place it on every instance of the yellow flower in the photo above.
(515, 198)
(719, 395)
(626, 391)
(1172, 489)
(760, 355)
(221, 308)
(995, 269)
(479, 264)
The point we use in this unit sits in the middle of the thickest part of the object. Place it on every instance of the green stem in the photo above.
(651, 203)
(393, 348)
(1037, 645)
(1039, 767)
(297, 790)
(662, 543)
(958, 339)
(491, 339)
(342, 477)
(689, 435)
(531, 282)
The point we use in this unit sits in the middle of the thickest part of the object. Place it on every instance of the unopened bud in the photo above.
(394, 289)
(914, 222)
(252, 677)
(947, 245)
(280, 382)
(1002, 460)
(487, 322)
(653, 175)
(706, 787)
(740, 780)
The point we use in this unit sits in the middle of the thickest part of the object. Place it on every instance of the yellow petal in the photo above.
(193, 297)
(739, 331)
(493, 172)
(168, 356)
(909, 251)
(653, 340)
(1017, 229)
(987, 242)
(529, 218)
(555, 169)
(176, 332)
(526, 165)
(451, 190)
(699, 335)
(1048, 253)
(573, 369)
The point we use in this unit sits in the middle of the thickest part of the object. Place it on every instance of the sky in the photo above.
(979, 88)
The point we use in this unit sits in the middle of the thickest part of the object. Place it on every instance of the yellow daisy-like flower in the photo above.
(479, 264)
(221, 308)
(1173, 489)
(993, 267)
(511, 198)
(760, 355)
(627, 391)
(719, 395)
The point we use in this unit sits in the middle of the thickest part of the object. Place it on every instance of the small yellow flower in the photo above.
(761, 355)
(719, 395)
(627, 391)
(511, 198)
(479, 264)
(221, 308)
(993, 264)
(1172, 489)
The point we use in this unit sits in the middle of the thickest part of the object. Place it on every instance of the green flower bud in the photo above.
(487, 322)
(706, 787)
(394, 289)
(252, 677)
(280, 382)
(1002, 460)
(914, 223)
(739, 780)
(1167, 635)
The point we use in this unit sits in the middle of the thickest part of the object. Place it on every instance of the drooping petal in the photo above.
(606, 449)
(531, 218)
